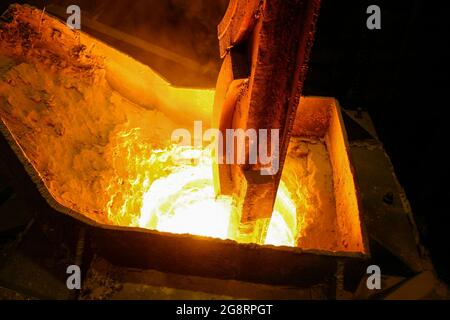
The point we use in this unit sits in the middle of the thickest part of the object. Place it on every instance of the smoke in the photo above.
(185, 27)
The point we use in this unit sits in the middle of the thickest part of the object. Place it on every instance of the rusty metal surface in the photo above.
(274, 40)
(106, 281)
(388, 215)
(237, 23)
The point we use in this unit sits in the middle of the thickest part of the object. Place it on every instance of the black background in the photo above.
(400, 75)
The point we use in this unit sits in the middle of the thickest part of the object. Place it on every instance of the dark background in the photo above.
(398, 74)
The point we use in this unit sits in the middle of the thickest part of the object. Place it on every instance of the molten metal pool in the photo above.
(93, 128)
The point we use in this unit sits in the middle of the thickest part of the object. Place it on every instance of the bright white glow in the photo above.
(184, 202)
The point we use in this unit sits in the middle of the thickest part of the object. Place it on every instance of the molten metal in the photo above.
(92, 127)
(182, 199)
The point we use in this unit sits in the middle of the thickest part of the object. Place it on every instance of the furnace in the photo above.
(93, 127)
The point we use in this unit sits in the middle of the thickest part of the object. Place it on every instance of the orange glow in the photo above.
(93, 130)
(175, 191)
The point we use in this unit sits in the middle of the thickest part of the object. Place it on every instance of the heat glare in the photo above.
(175, 190)
(93, 128)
